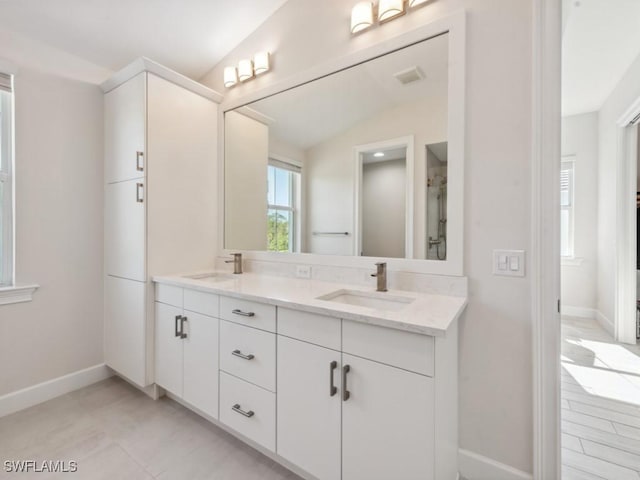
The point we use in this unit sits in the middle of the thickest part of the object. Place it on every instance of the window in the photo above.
(567, 174)
(6, 180)
(282, 206)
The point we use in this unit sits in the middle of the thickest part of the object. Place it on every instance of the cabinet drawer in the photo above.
(258, 422)
(249, 354)
(254, 314)
(310, 327)
(201, 302)
(411, 351)
(169, 294)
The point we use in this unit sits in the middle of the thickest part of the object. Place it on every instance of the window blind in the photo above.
(284, 165)
(566, 185)
(5, 82)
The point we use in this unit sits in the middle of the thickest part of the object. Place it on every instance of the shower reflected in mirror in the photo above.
(436, 156)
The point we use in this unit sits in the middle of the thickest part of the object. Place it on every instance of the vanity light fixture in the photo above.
(361, 16)
(261, 62)
(245, 70)
(230, 76)
(389, 9)
(378, 154)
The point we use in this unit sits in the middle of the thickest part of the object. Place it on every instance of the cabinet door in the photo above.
(387, 423)
(308, 419)
(124, 130)
(124, 328)
(125, 230)
(201, 362)
(169, 347)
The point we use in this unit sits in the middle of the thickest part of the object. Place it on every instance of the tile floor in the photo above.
(115, 432)
(600, 395)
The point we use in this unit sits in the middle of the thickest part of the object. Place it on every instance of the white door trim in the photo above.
(625, 249)
(545, 238)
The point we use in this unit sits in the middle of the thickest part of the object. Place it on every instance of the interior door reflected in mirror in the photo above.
(349, 164)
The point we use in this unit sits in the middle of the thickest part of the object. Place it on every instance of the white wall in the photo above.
(495, 335)
(59, 231)
(626, 92)
(580, 139)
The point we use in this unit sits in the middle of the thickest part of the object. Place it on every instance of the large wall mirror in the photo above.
(357, 163)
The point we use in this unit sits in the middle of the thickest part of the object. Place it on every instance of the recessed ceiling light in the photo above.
(378, 154)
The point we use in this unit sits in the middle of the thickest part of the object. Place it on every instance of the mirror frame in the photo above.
(453, 24)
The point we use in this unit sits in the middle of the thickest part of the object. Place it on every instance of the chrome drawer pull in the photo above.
(236, 408)
(238, 353)
(139, 165)
(244, 314)
(139, 192)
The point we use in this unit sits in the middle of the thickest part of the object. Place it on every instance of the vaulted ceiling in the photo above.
(189, 36)
(601, 39)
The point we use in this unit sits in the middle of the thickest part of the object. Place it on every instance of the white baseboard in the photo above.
(30, 396)
(473, 466)
(606, 323)
(593, 313)
(580, 312)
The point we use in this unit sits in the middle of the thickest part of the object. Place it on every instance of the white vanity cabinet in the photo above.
(186, 347)
(160, 182)
(333, 398)
(248, 369)
(309, 407)
(387, 422)
(344, 416)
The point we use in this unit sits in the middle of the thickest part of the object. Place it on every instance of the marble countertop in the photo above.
(428, 314)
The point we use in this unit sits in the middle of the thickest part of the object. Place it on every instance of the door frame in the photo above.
(545, 236)
(358, 151)
(625, 248)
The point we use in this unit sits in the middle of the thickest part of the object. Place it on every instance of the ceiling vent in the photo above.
(409, 75)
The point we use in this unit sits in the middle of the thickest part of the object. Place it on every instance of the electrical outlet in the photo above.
(303, 271)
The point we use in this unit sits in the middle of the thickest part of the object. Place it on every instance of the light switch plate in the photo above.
(509, 263)
(303, 271)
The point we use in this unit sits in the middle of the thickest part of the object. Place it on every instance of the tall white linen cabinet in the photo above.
(160, 200)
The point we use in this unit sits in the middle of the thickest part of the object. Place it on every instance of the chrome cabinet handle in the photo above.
(177, 328)
(332, 388)
(182, 333)
(345, 393)
(244, 314)
(139, 192)
(139, 166)
(236, 408)
(238, 353)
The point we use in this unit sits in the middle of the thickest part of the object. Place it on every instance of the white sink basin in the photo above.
(210, 277)
(373, 300)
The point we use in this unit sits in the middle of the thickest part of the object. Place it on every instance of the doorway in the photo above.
(384, 198)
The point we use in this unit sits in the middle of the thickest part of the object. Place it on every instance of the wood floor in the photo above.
(600, 404)
(115, 432)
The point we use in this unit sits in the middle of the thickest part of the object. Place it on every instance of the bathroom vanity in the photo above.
(331, 380)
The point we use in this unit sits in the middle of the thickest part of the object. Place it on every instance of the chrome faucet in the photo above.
(381, 276)
(237, 262)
